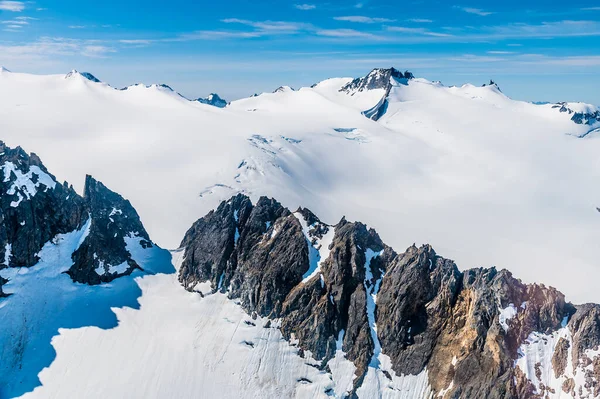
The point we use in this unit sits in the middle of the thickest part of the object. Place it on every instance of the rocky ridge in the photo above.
(35, 208)
(477, 333)
(377, 79)
(214, 100)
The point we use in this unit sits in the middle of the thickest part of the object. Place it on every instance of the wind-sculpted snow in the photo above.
(488, 179)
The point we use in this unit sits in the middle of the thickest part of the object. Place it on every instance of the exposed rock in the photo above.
(466, 328)
(560, 357)
(34, 207)
(214, 100)
(209, 243)
(378, 78)
(103, 255)
(580, 118)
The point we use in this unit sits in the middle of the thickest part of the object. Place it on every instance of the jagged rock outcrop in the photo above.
(590, 117)
(214, 100)
(477, 333)
(103, 255)
(35, 208)
(378, 78)
(85, 75)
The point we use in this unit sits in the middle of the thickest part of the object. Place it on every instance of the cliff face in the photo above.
(477, 333)
(35, 208)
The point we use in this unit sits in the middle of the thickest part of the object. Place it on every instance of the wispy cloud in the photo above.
(420, 20)
(280, 27)
(590, 9)
(136, 41)
(77, 26)
(305, 7)
(499, 52)
(359, 5)
(546, 30)
(15, 6)
(476, 11)
(55, 46)
(416, 31)
(215, 35)
(346, 33)
(96, 51)
(362, 19)
(15, 22)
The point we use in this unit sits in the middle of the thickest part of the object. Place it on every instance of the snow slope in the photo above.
(486, 180)
(198, 347)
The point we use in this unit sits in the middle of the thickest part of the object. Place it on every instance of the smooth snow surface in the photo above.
(486, 180)
(45, 303)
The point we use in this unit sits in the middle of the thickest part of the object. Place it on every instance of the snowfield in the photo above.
(485, 179)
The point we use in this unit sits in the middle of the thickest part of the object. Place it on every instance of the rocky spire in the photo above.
(103, 255)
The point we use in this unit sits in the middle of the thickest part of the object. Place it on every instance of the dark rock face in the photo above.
(35, 208)
(589, 118)
(214, 100)
(103, 255)
(466, 329)
(86, 75)
(378, 78)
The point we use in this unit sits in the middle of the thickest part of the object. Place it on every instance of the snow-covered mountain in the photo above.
(259, 301)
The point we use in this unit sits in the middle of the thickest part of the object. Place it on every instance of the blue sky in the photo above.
(536, 50)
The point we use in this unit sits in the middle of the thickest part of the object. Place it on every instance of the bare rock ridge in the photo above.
(103, 255)
(35, 208)
(477, 333)
(379, 78)
(580, 118)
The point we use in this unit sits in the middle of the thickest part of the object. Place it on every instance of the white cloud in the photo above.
(498, 52)
(15, 6)
(363, 19)
(136, 41)
(54, 46)
(346, 33)
(96, 51)
(215, 35)
(416, 31)
(591, 9)
(305, 7)
(76, 26)
(476, 11)
(270, 27)
(420, 20)
(15, 22)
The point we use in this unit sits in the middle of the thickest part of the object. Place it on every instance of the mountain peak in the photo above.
(378, 78)
(2, 69)
(85, 75)
(283, 89)
(213, 99)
